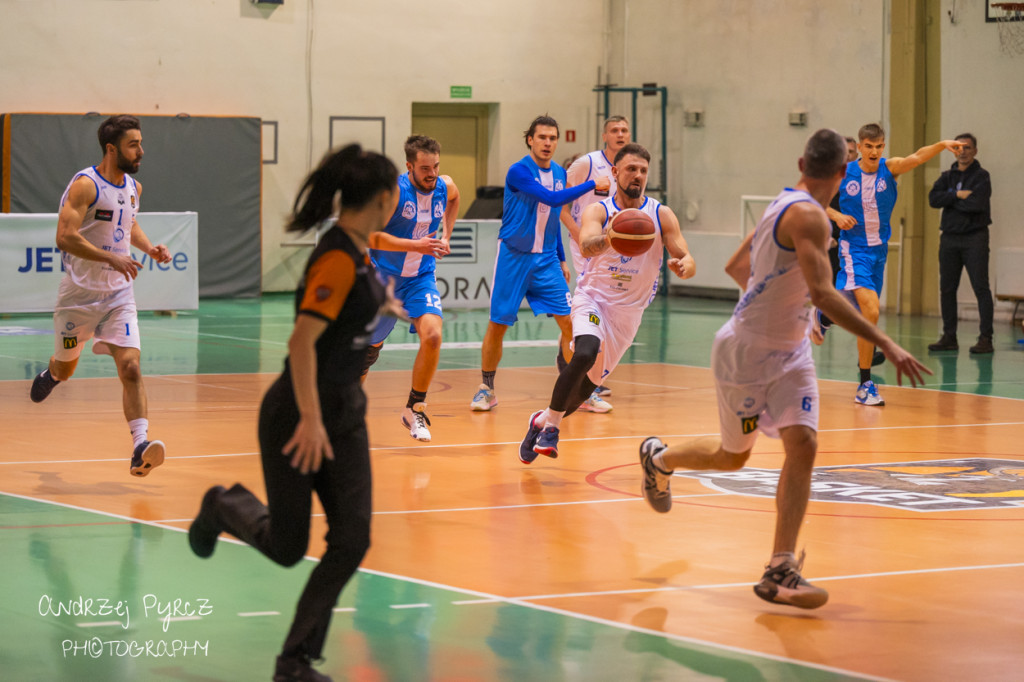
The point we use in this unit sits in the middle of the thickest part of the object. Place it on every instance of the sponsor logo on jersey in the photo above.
(593, 319)
(927, 486)
(853, 188)
(559, 186)
(438, 210)
(120, 200)
(105, 216)
(70, 342)
(132, 197)
(322, 293)
(409, 210)
(118, 234)
(749, 424)
(881, 186)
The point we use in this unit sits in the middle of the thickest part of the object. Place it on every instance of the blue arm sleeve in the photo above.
(520, 180)
(558, 246)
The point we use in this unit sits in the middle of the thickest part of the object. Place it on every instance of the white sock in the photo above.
(659, 464)
(139, 429)
(551, 418)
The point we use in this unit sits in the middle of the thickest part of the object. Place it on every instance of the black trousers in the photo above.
(957, 252)
(280, 529)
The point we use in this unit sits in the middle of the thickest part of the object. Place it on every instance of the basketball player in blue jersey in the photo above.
(615, 136)
(867, 196)
(764, 372)
(528, 261)
(96, 299)
(406, 252)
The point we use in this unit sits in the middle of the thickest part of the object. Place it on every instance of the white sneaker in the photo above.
(416, 420)
(867, 394)
(484, 399)
(596, 403)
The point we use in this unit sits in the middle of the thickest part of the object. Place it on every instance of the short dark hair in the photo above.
(968, 136)
(113, 129)
(825, 154)
(542, 120)
(420, 143)
(871, 131)
(614, 119)
(850, 140)
(633, 149)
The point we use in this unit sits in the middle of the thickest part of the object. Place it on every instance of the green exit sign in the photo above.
(462, 92)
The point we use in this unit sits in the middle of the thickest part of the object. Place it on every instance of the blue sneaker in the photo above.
(526, 453)
(547, 443)
(603, 391)
(867, 394)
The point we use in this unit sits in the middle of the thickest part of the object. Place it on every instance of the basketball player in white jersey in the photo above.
(761, 359)
(615, 135)
(612, 293)
(96, 300)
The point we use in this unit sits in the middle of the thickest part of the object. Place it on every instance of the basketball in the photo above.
(631, 232)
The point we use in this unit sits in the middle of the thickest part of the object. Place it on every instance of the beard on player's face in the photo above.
(633, 191)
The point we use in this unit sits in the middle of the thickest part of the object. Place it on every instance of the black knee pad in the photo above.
(372, 353)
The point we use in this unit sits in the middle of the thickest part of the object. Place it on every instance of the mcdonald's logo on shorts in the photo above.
(749, 424)
(70, 342)
(594, 319)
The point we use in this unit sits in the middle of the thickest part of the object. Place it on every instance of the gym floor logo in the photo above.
(936, 485)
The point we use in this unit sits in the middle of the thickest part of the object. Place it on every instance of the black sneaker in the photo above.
(297, 670)
(147, 456)
(526, 452)
(877, 358)
(983, 346)
(656, 484)
(947, 342)
(202, 534)
(783, 584)
(42, 385)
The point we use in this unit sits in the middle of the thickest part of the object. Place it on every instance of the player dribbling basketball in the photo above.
(611, 295)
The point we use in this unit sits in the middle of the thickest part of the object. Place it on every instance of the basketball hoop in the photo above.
(1011, 27)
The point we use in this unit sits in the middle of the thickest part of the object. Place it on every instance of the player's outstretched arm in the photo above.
(808, 230)
(593, 239)
(680, 259)
(899, 165)
(428, 245)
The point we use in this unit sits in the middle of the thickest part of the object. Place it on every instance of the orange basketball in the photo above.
(631, 232)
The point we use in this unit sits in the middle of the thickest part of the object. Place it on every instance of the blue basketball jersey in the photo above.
(417, 215)
(869, 198)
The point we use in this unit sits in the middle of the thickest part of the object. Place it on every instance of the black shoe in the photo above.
(41, 386)
(202, 534)
(297, 670)
(147, 456)
(983, 346)
(947, 342)
(878, 358)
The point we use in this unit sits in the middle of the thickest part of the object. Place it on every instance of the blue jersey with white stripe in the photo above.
(869, 198)
(417, 215)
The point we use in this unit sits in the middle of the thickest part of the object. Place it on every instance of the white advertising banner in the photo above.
(30, 263)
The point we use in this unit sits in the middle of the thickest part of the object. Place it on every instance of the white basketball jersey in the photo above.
(612, 278)
(589, 167)
(776, 306)
(107, 226)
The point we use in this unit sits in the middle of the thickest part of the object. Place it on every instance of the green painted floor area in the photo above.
(387, 628)
(251, 336)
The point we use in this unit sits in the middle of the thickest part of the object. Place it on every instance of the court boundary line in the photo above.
(507, 600)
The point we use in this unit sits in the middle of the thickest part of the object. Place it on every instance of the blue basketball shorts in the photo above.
(419, 297)
(861, 267)
(537, 276)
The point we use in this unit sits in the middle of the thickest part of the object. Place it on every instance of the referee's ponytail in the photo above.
(357, 175)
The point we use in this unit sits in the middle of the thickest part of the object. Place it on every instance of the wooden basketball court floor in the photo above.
(485, 569)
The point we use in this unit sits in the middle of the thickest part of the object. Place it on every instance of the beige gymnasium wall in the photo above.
(229, 57)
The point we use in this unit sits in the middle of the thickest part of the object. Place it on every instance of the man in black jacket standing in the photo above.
(963, 193)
